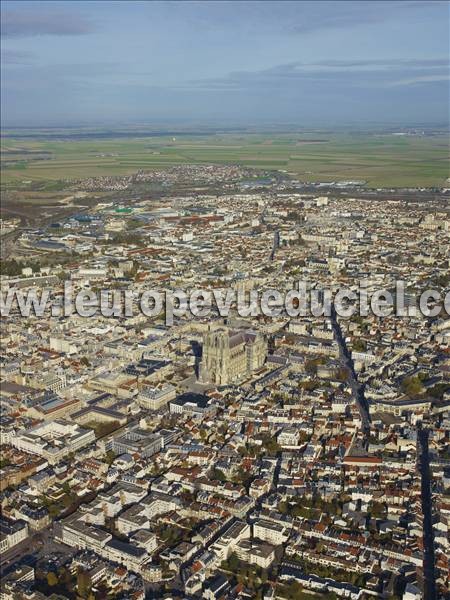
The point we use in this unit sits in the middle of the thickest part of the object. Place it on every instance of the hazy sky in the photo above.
(323, 62)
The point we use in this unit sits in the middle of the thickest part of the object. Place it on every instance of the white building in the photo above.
(255, 553)
(154, 398)
(289, 437)
(11, 533)
(53, 440)
(267, 531)
(227, 542)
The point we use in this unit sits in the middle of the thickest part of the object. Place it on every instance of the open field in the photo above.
(382, 160)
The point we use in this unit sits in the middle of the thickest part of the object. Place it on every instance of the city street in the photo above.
(356, 387)
(427, 510)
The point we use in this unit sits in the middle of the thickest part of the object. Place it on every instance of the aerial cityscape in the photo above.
(225, 335)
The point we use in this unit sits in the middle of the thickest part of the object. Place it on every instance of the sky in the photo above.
(321, 63)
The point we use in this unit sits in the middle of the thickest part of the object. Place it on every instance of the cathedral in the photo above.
(230, 356)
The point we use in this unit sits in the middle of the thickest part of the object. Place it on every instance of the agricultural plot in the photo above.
(381, 160)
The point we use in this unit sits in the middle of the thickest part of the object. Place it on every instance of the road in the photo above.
(15, 554)
(259, 501)
(275, 245)
(32, 549)
(356, 387)
(429, 584)
(7, 242)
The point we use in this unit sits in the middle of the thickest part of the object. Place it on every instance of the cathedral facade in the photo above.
(231, 356)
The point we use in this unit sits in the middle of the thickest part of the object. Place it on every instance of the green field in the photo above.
(382, 160)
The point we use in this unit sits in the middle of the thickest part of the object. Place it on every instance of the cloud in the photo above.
(410, 62)
(333, 74)
(329, 14)
(422, 79)
(28, 23)
(288, 17)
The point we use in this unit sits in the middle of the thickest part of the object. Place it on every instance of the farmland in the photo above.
(381, 160)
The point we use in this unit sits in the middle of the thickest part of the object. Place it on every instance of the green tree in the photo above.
(218, 474)
(438, 390)
(52, 579)
(359, 345)
(233, 563)
(64, 577)
(412, 386)
(84, 583)
(110, 457)
(271, 445)
(103, 429)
